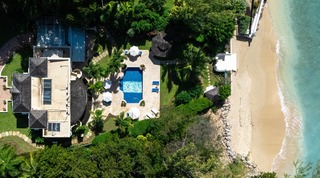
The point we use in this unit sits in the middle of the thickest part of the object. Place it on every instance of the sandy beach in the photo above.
(257, 121)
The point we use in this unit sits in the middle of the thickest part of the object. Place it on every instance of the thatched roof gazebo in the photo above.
(212, 93)
(160, 46)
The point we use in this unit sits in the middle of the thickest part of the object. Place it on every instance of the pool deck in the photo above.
(152, 99)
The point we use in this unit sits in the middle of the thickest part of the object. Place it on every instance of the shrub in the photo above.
(140, 127)
(183, 98)
(225, 91)
(102, 138)
(194, 107)
(81, 130)
(39, 140)
(196, 91)
(243, 22)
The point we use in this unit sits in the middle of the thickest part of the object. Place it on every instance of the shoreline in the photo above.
(257, 122)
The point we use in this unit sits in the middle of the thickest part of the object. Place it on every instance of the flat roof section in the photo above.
(59, 70)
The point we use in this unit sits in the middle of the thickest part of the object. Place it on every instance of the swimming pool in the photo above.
(131, 85)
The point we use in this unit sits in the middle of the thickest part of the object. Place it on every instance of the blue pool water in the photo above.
(131, 85)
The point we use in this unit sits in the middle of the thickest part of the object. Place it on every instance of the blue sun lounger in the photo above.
(155, 82)
(155, 90)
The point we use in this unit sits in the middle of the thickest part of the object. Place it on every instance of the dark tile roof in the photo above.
(212, 94)
(79, 100)
(38, 119)
(160, 46)
(38, 67)
(21, 92)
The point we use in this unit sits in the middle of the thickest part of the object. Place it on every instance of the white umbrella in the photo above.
(107, 97)
(107, 84)
(134, 113)
(134, 51)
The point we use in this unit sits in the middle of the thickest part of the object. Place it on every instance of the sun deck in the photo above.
(151, 99)
(59, 106)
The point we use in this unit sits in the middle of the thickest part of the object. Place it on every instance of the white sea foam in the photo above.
(289, 149)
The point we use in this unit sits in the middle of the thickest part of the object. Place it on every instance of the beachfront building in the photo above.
(53, 96)
(225, 62)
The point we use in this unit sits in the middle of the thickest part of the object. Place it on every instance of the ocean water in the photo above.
(297, 27)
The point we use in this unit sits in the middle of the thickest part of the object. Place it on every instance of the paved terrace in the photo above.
(152, 99)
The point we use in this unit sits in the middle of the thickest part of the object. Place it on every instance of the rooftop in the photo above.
(56, 98)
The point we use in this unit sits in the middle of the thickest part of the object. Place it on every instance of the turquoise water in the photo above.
(306, 27)
(131, 85)
(298, 29)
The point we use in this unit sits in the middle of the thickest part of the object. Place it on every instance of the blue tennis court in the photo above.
(131, 85)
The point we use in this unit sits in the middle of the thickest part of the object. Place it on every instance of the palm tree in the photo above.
(97, 123)
(10, 163)
(93, 70)
(123, 123)
(30, 167)
(116, 62)
(195, 63)
(96, 86)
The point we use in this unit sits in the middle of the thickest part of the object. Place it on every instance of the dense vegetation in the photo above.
(182, 142)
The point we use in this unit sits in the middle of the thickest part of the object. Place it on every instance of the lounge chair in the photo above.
(155, 82)
(126, 52)
(151, 115)
(155, 90)
(155, 111)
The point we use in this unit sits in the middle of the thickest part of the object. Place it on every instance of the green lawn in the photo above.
(13, 66)
(168, 86)
(104, 61)
(142, 43)
(109, 125)
(13, 122)
(19, 144)
(18, 63)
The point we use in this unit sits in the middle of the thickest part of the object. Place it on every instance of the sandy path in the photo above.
(257, 121)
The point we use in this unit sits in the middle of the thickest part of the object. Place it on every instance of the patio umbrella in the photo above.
(107, 97)
(107, 84)
(134, 113)
(134, 51)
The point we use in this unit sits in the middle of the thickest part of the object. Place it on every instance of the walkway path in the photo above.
(102, 55)
(20, 135)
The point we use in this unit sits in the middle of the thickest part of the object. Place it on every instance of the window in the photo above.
(54, 127)
(47, 91)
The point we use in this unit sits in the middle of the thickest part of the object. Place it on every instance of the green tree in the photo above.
(225, 91)
(10, 163)
(93, 70)
(57, 161)
(183, 98)
(97, 123)
(123, 123)
(116, 62)
(96, 87)
(29, 166)
(195, 62)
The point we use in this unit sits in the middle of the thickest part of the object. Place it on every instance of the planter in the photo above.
(142, 67)
(142, 103)
(123, 103)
